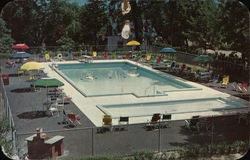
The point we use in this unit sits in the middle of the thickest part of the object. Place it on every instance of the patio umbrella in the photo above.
(167, 50)
(203, 59)
(20, 55)
(47, 83)
(133, 43)
(31, 66)
(20, 46)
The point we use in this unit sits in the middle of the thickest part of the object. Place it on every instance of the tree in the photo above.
(201, 21)
(6, 40)
(66, 43)
(94, 21)
(234, 22)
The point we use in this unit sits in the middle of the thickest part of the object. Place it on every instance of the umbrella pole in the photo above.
(47, 95)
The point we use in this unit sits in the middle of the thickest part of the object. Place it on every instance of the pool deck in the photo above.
(88, 105)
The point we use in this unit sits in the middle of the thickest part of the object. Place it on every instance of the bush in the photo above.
(4, 129)
(146, 155)
(100, 157)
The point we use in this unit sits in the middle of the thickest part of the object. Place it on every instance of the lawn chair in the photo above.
(123, 124)
(206, 123)
(225, 82)
(148, 57)
(106, 124)
(242, 87)
(164, 120)
(214, 81)
(153, 123)
(58, 103)
(243, 117)
(53, 110)
(94, 54)
(73, 119)
(47, 57)
(193, 124)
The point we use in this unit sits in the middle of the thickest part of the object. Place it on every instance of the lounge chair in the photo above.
(243, 87)
(53, 110)
(123, 124)
(153, 123)
(193, 124)
(215, 79)
(164, 120)
(106, 124)
(94, 54)
(245, 117)
(47, 57)
(148, 57)
(73, 119)
(213, 82)
(224, 82)
(206, 123)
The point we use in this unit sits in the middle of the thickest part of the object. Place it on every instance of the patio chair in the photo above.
(214, 81)
(243, 87)
(193, 124)
(153, 123)
(58, 103)
(224, 82)
(53, 110)
(94, 54)
(73, 119)
(47, 57)
(243, 117)
(106, 124)
(164, 120)
(158, 60)
(123, 124)
(206, 123)
(148, 58)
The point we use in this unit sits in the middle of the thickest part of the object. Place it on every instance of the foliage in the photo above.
(66, 43)
(5, 38)
(234, 24)
(93, 20)
(143, 155)
(4, 129)
(100, 157)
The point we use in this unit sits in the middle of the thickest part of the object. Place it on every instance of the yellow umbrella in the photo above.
(29, 66)
(133, 43)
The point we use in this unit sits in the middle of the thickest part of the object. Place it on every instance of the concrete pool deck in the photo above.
(88, 105)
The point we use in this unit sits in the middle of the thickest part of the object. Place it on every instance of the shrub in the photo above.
(100, 157)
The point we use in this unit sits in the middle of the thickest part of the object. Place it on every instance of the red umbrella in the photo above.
(20, 46)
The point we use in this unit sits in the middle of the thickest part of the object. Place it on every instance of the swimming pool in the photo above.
(119, 78)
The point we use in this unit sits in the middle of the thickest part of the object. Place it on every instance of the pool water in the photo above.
(119, 78)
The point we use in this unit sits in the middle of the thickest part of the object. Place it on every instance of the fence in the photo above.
(8, 114)
(220, 137)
